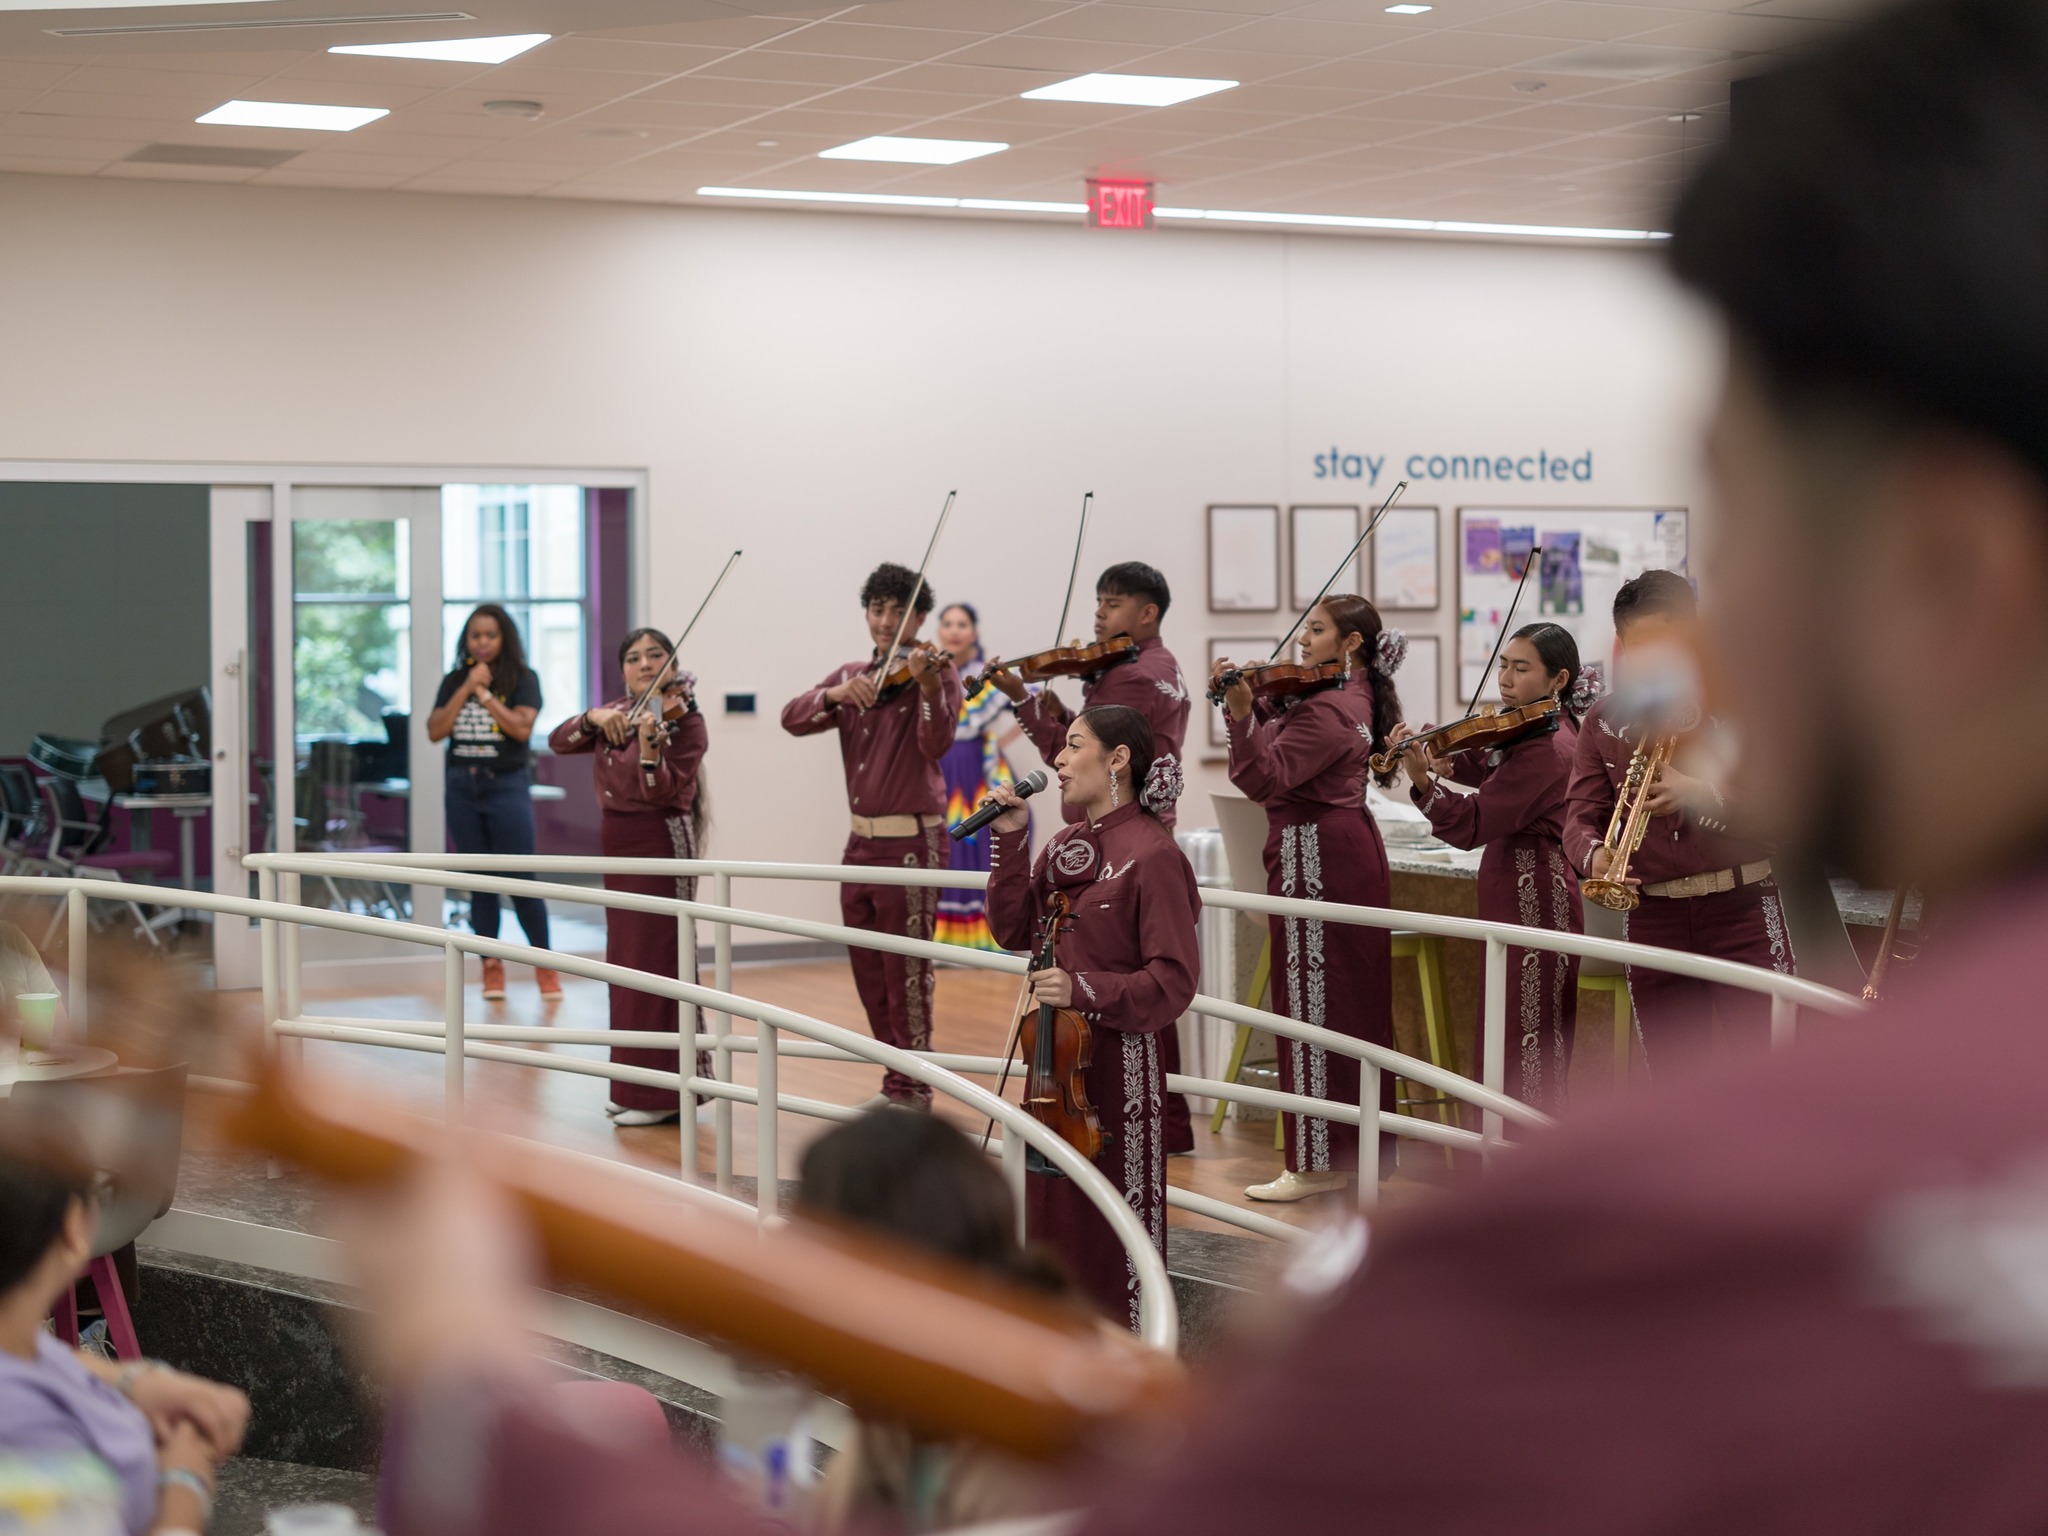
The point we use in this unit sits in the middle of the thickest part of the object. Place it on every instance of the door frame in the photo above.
(249, 492)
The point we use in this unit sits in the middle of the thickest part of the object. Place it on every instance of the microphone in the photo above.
(989, 810)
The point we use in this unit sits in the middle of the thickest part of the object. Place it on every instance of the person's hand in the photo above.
(612, 722)
(1054, 987)
(172, 1400)
(479, 681)
(1603, 861)
(1237, 698)
(858, 690)
(445, 1264)
(1008, 682)
(652, 738)
(1414, 759)
(1672, 792)
(926, 670)
(184, 1449)
(1017, 817)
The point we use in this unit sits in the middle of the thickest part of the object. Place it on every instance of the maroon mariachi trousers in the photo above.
(647, 941)
(1526, 879)
(1336, 975)
(895, 990)
(1127, 1086)
(1675, 1014)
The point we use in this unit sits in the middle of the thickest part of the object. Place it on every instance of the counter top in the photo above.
(1861, 908)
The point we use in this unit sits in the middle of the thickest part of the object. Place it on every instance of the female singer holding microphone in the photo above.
(1304, 760)
(485, 711)
(1129, 963)
(649, 787)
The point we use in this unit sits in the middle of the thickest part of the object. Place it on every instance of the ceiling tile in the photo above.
(868, 42)
(1131, 24)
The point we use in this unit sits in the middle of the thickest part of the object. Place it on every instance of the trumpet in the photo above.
(1627, 827)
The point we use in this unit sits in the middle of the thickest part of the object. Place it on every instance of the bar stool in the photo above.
(1427, 951)
(1610, 977)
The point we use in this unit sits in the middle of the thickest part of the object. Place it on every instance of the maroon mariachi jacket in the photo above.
(1132, 950)
(1309, 755)
(1521, 790)
(1151, 684)
(623, 787)
(891, 752)
(1675, 846)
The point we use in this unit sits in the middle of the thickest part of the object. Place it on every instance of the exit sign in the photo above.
(1120, 204)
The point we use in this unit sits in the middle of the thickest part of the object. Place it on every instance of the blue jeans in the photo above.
(493, 813)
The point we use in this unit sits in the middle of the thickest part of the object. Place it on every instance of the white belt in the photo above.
(894, 826)
(1713, 882)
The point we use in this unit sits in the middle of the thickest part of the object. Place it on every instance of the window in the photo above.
(522, 546)
(352, 627)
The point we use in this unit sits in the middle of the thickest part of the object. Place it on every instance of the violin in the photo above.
(1487, 729)
(899, 676)
(1057, 1049)
(1073, 660)
(675, 699)
(898, 1335)
(1278, 679)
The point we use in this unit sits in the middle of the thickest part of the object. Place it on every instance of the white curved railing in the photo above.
(1158, 1319)
(453, 1037)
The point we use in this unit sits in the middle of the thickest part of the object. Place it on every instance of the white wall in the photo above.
(809, 386)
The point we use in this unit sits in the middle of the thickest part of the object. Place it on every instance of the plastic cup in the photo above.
(38, 1013)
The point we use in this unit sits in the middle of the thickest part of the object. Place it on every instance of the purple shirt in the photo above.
(1150, 683)
(891, 752)
(54, 1404)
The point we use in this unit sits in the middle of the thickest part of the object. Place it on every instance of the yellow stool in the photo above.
(1261, 974)
(1427, 951)
(1615, 985)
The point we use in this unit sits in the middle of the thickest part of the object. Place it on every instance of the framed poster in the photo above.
(1318, 538)
(1244, 559)
(1404, 561)
(1587, 554)
(1240, 649)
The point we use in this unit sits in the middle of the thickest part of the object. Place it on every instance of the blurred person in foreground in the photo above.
(148, 1439)
(1800, 1297)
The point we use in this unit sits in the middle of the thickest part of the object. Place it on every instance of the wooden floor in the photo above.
(973, 1015)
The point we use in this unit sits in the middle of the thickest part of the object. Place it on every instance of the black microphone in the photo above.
(989, 810)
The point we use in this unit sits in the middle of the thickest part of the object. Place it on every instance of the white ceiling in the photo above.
(1527, 111)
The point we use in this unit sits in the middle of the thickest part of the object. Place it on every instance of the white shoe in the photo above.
(1298, 1186)
(643, 1116)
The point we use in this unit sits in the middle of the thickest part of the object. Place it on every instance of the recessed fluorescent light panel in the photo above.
(456, 50)
(1129, 90)
(913, 151)
(292, 114)
(1408, 10)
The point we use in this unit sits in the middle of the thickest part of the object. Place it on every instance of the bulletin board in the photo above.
(1587, 554)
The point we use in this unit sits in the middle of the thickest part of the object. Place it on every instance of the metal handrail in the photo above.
(1158, 1319)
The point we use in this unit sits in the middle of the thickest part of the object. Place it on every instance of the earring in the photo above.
(1114, 802)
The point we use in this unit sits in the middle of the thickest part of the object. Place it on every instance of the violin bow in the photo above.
(1385, 507)
(916, 589)
(1073, 572)
(677, 650)
(1535, 557)
(1009, 1052)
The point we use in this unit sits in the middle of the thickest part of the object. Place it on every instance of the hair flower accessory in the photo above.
(1163, 785)
(1587, 687)
(1389, 651)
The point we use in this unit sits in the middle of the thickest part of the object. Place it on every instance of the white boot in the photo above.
(1298, 1186)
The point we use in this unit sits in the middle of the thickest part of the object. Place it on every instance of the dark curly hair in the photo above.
(1355, 616)
(891, 583)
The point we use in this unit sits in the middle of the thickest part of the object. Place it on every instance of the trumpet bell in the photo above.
(1615, 895)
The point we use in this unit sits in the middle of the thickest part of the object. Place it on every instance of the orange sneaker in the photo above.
(550, 984)
(494, 981)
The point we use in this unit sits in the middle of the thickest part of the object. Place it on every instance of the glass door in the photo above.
(361, 565)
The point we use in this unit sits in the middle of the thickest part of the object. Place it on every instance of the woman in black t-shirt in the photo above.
(485, 710)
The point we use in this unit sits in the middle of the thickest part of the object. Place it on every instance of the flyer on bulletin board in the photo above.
(1482, 547)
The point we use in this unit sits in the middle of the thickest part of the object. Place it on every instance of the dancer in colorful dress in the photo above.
(973, 766)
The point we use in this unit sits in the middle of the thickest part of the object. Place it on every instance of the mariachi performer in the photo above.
(1303, 757)
(1130, 599)
(1128, 963)
(1702, 888)
(892, 736)
(648, 776)
(1517, 815)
